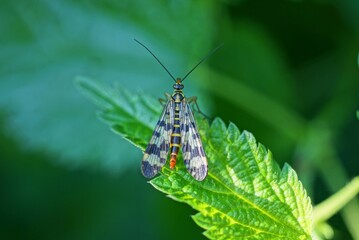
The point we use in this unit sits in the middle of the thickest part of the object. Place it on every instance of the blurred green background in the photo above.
(287, 73)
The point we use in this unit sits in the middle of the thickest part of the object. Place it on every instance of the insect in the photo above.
(176, 128)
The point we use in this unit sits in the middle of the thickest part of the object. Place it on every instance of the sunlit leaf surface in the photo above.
(245, 195)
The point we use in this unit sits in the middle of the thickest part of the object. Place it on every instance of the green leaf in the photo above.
(130, 116)
(245, 195)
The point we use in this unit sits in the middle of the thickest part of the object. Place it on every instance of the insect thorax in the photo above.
(178, 96)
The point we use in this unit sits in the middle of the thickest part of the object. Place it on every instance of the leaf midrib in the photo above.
(248, 201)
(253, 154)
(251, 204)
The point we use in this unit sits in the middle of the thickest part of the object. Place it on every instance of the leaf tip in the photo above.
(81, 82)
(217, 123)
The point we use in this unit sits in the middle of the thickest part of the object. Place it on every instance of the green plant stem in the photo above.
(350, 211)
(336, 202)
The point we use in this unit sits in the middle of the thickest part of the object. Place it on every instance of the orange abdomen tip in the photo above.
(173, 161)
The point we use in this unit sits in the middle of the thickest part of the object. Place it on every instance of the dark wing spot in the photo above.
(152, 149)
(149, 170)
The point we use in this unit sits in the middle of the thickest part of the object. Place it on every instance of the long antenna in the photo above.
(155, 57)
(203, 59)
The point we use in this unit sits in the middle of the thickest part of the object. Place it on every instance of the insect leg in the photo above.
(193, 100)
(164, 101)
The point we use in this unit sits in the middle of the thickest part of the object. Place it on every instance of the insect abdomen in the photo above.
(175, 137)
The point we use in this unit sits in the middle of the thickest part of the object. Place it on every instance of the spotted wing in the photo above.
(192, 149)
(156, 153)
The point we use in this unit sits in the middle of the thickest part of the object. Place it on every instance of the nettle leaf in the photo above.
(133, 117)
(245, 195)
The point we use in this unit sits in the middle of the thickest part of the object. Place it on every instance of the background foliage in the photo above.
(287, 73)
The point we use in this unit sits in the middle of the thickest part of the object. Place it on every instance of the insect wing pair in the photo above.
(164, 137)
